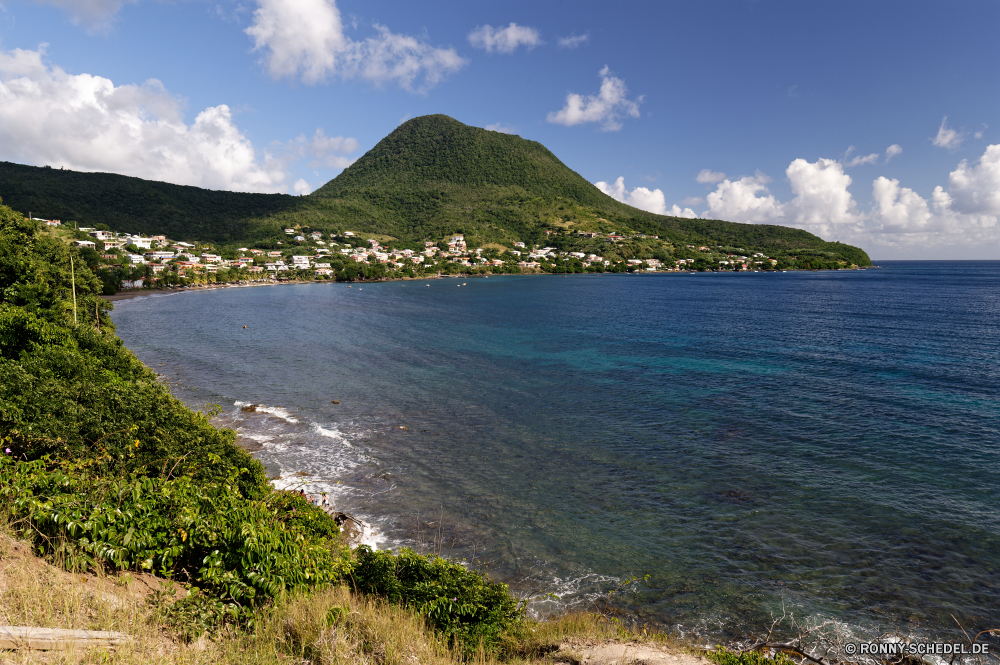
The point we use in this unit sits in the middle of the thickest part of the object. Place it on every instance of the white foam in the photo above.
(331, 433)
(272, 410)
(259, 438)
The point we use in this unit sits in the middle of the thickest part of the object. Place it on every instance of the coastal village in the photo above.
(130, 261)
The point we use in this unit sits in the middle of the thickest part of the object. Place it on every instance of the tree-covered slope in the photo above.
(435, 151)
(431, 177)
(136, 205)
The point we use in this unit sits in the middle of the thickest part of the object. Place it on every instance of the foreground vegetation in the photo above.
(103, 470)
(334, 626)
(430, 178)
(153, 523)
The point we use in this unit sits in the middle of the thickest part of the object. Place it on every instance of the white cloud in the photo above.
(976, 189)
(301, 187)
(947, 137)
(693, 201)
(708, 176)
(899, 209)
(607, 107)
(892, 151)
(822, 203)
(640, 197)
(326, 151)
(87, 123)
(962, 221)
(737, 201)
(858, 160)
(504, 40)
(677, 211)
(503, 129)
(573, 41)
(305, 39)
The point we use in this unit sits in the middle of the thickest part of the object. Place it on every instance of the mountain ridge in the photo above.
(430, 177)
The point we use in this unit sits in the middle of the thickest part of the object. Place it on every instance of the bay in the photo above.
(820, 442)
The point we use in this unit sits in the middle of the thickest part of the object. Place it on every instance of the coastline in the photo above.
(725, 499)
(139, 293)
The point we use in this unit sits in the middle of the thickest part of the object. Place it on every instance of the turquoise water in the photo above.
(821, 442)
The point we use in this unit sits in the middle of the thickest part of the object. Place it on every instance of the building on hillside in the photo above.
(84, 243)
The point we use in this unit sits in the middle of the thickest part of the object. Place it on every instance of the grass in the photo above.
(329, 627)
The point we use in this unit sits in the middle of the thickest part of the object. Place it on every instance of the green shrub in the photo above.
(240, 551)
(461, 604)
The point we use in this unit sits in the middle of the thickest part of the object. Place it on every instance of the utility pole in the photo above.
(72, 276)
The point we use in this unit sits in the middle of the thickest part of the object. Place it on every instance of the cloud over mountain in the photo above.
(608, 107)
(305, 39)
(87, 123)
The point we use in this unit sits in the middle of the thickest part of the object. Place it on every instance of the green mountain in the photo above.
(431, 177)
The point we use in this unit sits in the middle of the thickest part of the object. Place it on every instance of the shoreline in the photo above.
(140, 293)
(347, 507)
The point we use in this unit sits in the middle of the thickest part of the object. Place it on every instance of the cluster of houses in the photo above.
(180, 257)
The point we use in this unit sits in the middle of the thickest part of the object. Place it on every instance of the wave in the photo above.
(277, 411)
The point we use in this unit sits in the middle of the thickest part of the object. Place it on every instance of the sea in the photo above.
(703, 453)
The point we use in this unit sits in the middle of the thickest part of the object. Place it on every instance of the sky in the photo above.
(875, 123)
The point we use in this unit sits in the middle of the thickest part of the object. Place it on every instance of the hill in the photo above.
(431, 177)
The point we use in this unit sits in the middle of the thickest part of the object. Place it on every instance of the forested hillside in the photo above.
(431, 177)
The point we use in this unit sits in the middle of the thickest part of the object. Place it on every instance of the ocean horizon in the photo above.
(742, 445)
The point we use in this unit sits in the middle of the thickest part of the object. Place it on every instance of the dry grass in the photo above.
(330, 627)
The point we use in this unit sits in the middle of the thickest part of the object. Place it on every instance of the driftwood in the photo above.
(29, 637)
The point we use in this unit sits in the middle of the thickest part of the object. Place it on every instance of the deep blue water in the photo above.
(825, 442)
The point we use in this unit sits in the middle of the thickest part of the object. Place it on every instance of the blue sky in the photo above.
(875, 123)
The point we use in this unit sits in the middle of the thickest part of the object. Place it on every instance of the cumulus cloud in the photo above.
(301, 187)
(822, 203)
(87, 123)
(965, 217)
(738, 201)
(677, 211)
(607, 107)
(707, 176)
(326, 151)
(573, 41)
(892, 151)
(503, 129)
(504, 40)
(305, 39)
(640, 197)
(947, 137)
(976, 189)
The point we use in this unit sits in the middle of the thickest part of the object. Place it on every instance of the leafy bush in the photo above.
(242, 552)
(103, 467)
(463, 605)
